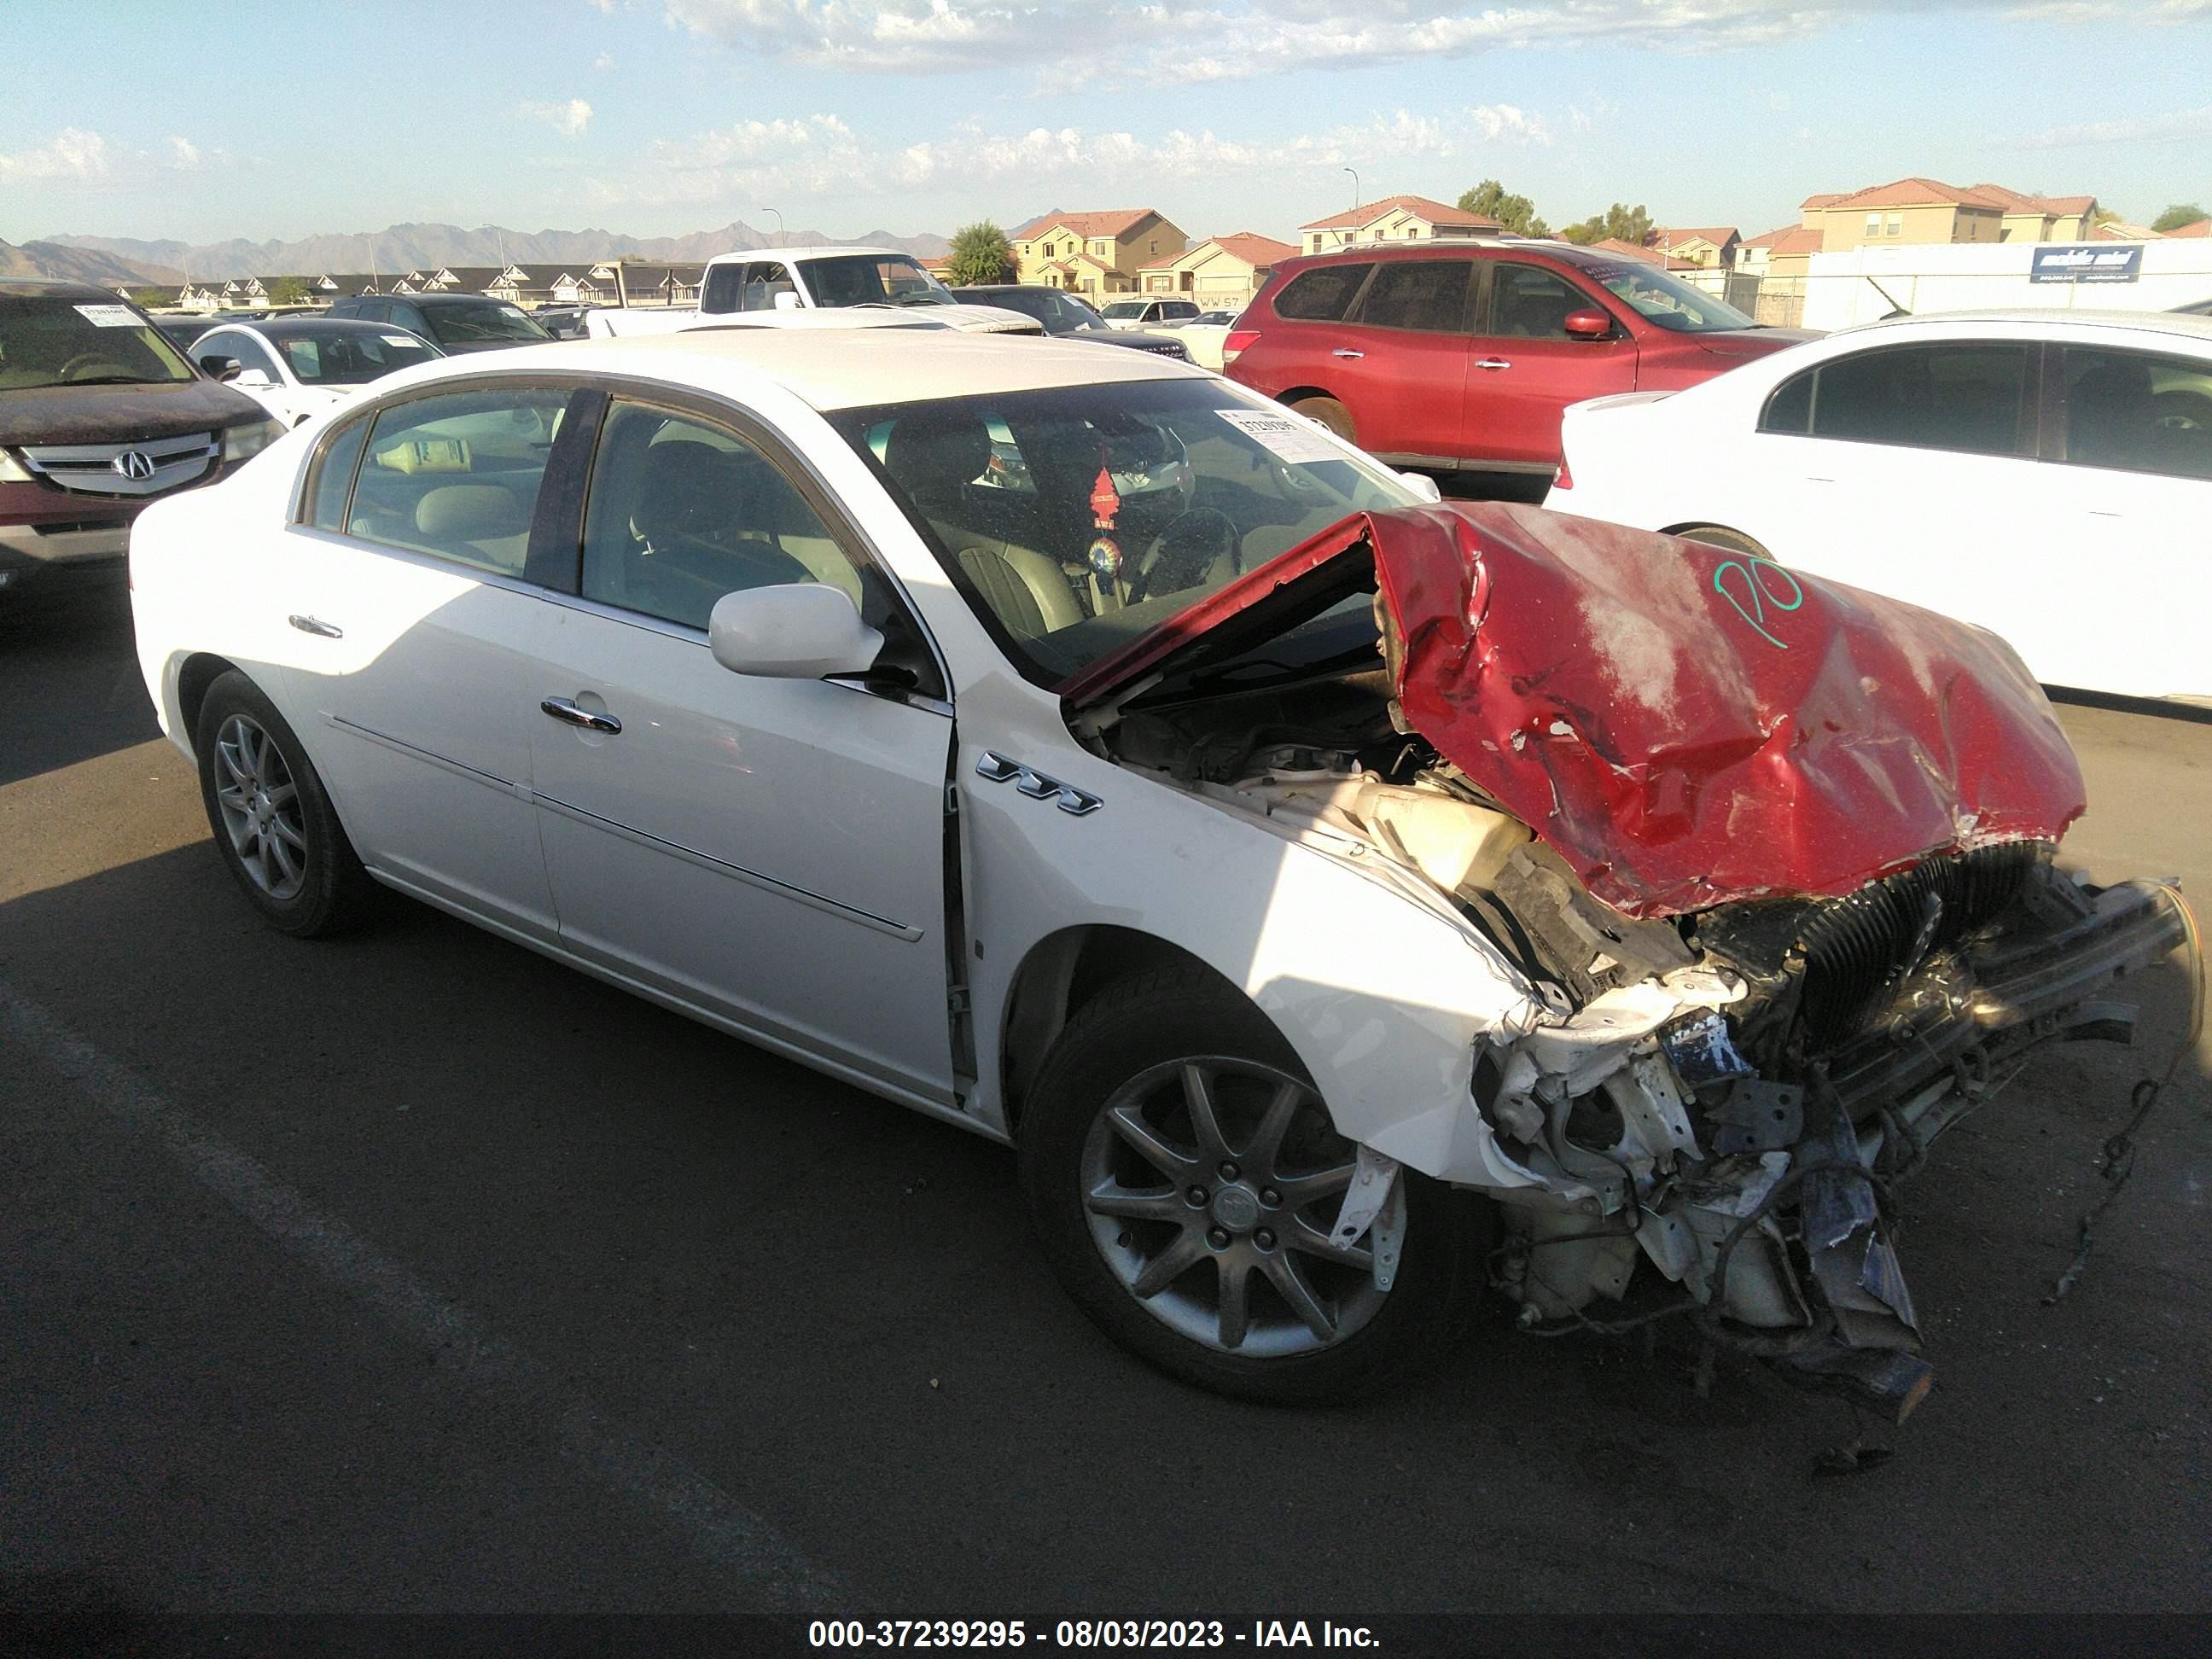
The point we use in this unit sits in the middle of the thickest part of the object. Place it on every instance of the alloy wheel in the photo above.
(260, 807)
(1210, 1186)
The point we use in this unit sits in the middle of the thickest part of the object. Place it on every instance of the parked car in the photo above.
(765, 283)
(1066, 316)
(1154, 805)
(2005, 468)
(1148, 313)
(1464, 356)
(456, 323)
(2196, 308)
(564, 322)
(295, 366)
(98, 416)
(1205, 336)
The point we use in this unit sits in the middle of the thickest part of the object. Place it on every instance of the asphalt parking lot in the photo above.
(414, 1272)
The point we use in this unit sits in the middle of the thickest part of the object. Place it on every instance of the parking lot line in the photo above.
(767, 1568)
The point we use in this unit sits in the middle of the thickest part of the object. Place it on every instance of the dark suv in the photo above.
(456, 323)
(99, 415)
(1065, 315)
(1464, 356)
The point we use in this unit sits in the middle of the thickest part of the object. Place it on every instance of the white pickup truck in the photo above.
(766, 281)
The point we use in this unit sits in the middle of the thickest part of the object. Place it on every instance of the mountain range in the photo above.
(413, 246)
(79, 264)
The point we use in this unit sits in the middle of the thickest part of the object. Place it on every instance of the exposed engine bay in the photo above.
(1730, 1092)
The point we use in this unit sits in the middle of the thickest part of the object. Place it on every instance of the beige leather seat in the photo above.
(481, 523)
(933, 455)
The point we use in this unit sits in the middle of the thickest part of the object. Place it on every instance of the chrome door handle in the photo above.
(317, 626)
(1346, 351)
(1491, 362)
(561, 709)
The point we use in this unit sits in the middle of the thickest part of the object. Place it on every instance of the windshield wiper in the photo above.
(114, 380)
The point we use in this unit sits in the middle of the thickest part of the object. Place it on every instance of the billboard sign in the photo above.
(2094, 262)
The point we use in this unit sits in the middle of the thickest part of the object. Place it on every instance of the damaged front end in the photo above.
(1774, 858)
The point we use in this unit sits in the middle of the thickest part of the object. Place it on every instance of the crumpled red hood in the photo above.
(1687, 727)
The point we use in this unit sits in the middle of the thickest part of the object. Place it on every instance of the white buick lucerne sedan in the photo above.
(1342, 903)
(2021, 470)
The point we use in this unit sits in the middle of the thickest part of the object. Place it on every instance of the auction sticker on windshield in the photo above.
(396, 339)
(109, 316)
(1288, 437)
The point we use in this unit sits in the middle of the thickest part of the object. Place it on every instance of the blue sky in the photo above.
(658, 116)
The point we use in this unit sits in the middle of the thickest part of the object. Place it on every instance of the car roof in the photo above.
(799, 255)
(2049, 321)
(834, 369)
(306, 328)
(55, 288)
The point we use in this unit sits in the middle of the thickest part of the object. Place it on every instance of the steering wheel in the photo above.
(89, 360)
(2183, 411)
(1181, 555)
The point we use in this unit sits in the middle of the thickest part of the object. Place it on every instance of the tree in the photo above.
(981, 253)
(1618, 222)
(289, 291)
(1516, 214)
(146, 298)
(2180, 213)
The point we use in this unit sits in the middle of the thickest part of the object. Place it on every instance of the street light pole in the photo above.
(1354, 172)
(779, 225)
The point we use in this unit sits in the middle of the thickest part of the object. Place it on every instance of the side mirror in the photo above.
(256, 378)
(1587, 324)
(795, 631)
(223, 368)
(787, 300)
(1422, 485)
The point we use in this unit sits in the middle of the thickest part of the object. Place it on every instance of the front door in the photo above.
(1526, 369)
(769, 851)
(408, 617)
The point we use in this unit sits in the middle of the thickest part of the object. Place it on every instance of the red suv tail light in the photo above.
(1232, 346)
(1562, 479)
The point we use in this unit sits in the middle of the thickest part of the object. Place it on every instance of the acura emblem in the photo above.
(133, 464)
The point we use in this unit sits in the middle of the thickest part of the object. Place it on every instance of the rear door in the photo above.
(769, 851)
(1399, 364)
(1525, 369)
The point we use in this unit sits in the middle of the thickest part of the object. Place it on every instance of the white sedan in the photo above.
(999, 727)
(2047, 475)
(295, 366)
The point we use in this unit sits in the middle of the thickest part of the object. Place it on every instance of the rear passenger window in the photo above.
(1790, 409)
(1323, 295)
(2136, 412)
(1962, 398)
(457, 475)
(1422, 293)
(683, 513)
(326, 496)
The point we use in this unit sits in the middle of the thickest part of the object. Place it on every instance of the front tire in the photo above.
(273, 821)
(1183, 1178)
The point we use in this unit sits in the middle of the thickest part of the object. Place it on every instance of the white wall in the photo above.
(1839, 289)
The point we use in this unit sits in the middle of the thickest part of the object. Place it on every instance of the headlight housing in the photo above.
(250, 439)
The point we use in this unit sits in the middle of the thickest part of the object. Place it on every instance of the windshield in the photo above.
(491, 319)
(52, 341)
(1667, 301)
(1126, 310)
(1058, 312)
(872, 279)
(1201, 483)
(351, 356)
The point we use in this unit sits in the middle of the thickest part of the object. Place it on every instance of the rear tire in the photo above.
(1713, 535)
(1258, 1309)
(274, 824)
(1330, 413)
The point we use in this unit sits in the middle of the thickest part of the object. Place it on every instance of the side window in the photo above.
(1323, 295)
(1790, 409)
(1430, 294)
(2135, 412)
(1963, 397)
(763, 282)
(326, 496)
(1528, 302)
(250, 352)
(457, 475)
(374, 311)
(725, 289)
(683, 513)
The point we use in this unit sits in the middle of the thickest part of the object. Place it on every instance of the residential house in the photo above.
(1221, 272)
(1709, 248)
(2042, 218)
(2195, 228)
(654, 283)
(592, 285)
(1615, 246)
(1394, 219)
(1094, 253)
(1922, 210)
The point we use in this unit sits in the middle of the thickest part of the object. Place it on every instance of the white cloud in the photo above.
(1059, 41)
(2180, 124)
(569, 119)
(73, 153)
(603, 63)
(184, 154)
(1506, 124)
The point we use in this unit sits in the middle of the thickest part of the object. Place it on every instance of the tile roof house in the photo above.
(1394, 219)
(1712, 247)
(1221, 272)
(1093, 253)
(1917, 209)
(2196, 228)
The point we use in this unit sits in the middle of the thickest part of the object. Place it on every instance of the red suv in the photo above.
(1464, 357)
